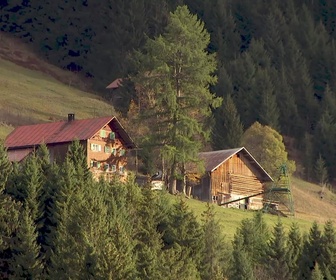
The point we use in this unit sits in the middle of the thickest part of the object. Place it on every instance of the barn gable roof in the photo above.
(62, 132)
(214, 159)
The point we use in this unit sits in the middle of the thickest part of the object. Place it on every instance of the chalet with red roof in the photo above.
(104, 139)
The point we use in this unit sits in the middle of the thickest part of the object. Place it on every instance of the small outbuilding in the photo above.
(232, 175)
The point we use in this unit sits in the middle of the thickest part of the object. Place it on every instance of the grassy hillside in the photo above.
(28, 96)
(309, 207)
(43, 93)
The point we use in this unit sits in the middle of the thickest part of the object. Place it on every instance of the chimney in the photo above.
(71, 117)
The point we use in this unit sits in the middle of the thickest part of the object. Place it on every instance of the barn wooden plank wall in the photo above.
(234, 177)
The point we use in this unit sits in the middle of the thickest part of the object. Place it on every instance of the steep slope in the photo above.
(32, 90)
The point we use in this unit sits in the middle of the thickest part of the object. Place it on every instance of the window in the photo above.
(94, 163)
(121, 169)
(98, 164)
(103, 133)
(114, 151)
(122, 152)
(113, 168)
(107, 149)
(112, 135)
(95, 147)
(106, 166)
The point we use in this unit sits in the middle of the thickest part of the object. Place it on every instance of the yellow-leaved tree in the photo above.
(267, 147)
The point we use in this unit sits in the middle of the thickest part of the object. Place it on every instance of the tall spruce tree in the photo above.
(5, 167)
(177, 71)
(328, 258)
(26, 262)
(215, 257)
(241, 265)
(311, 252)
(277, 257)
(294, 249)
(227, 131)
(9, 214)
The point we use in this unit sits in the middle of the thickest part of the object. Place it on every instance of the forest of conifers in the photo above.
(276, 59)
(56, 222)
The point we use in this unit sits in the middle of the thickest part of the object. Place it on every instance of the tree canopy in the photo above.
(176, 70)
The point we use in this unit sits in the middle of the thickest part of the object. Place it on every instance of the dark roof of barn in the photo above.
(63, 131)
(214, 159)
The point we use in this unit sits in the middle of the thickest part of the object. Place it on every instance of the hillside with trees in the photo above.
(275, 59)
(57, 222)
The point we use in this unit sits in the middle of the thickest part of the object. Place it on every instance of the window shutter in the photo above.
(99, 148)
(92, 147)
(114, 151)
(112, 135)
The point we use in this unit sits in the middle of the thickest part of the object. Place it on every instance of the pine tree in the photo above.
(76, 155)
(184, 231)
(321, 171)
(227, 130)
(67, 258)
(5, 167)
(324, 144)
(255, 237)
(328, 255)
(214, 253)
(276, 256)
(317, 273)
(311, 252)
(9, 220)
(149, 239)
(241, 265)
(294, 249)
(177, 71)
(26, 260)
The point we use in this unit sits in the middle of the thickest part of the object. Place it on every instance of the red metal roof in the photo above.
(63, 131)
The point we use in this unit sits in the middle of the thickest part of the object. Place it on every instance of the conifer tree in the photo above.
(321, 171)
(328, 254)
(5, 167)
(324, 144)
(317, 273)
(9, 214)
(26, 261)
(214, 253)
(32, 182)
(276, 256)
(184, 230)
(241, 266)
(242, 72)
(177, 71)
(311, 252)
(149, 264)
(294, 249)
(76, 155)
(227, 130)
(67, 259)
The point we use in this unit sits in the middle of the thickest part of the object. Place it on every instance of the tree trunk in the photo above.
(172, 179)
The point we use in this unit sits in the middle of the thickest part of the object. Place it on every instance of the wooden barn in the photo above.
(231, 175)
(104, 140)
